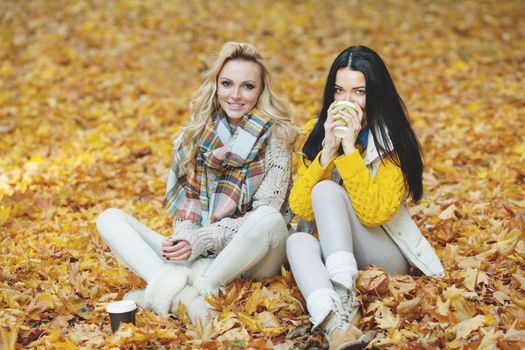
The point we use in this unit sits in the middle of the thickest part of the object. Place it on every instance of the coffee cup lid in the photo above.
(346, 103)
(122, 306)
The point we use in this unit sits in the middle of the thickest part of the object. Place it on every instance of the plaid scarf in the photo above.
(238, 160)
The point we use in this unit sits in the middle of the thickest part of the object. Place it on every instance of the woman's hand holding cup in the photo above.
(351, 115)
(331, 142)
(343, 123)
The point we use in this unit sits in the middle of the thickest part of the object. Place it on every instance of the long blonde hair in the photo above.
(204, 101)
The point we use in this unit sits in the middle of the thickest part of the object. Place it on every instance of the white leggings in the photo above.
(339, 229)
(258, 249)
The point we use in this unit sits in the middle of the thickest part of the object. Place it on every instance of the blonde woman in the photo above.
(226, 189)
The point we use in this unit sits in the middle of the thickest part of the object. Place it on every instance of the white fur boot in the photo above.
(137, 296)
(195, 304)
(199, 308)
(161, 291)
(193, 295)
(197, 279)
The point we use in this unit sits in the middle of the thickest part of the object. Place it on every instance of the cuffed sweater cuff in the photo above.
(200, 240)
(318, 172)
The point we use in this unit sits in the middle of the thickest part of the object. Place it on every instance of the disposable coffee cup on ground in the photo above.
(340, 131)
(121, 312)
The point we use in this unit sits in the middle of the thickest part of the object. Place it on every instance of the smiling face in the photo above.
(239, 85)
(350, 85)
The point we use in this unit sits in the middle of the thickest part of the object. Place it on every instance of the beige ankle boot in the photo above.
(345, 339)
(342, 271)
(347, 335)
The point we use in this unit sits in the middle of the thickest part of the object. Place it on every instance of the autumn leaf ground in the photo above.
(92, 93)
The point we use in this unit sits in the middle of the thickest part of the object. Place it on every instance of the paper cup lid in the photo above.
(346, 103)
(122, 306)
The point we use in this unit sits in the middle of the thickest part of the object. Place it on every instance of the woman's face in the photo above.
(239, 85)
(350, 85)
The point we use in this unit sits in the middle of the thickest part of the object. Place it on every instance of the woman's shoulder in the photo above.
(307, 130)
(309, 126)
(277, 149)
(276, 142)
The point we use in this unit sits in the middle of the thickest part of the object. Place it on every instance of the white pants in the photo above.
(257, 250)
(339, 229)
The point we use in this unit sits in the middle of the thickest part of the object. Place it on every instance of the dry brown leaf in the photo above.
(410, 309)
(500, 297)
(9, 328)
(515, 335)
(464, 328)
(234, 334)
(182, 315)
(373, 281)
(443, 307)
(253, 301)
(385, 318)
(520, 280)
(490, 340)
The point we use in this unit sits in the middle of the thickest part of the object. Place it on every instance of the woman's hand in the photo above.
(354, 121)
(178, 250)
(331, 142)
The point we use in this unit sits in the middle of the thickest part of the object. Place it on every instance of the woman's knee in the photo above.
(107, 217)
(264, 212)
(327, 190)
(266, 223)
(301, 242)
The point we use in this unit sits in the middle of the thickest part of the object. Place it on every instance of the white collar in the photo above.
(371, 152)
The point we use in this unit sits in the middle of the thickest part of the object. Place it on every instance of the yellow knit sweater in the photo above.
(375, 199)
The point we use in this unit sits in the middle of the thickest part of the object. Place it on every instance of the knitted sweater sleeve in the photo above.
(272, 192)
(307, 177)
(375, 198)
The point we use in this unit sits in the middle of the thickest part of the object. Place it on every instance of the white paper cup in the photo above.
(340, 131)
(121, 312)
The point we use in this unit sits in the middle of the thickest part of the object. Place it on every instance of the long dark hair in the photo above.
(386, 115)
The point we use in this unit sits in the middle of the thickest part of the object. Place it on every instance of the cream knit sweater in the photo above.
(272, 191)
